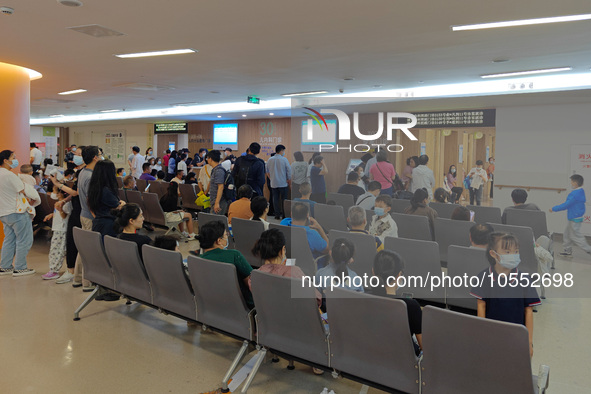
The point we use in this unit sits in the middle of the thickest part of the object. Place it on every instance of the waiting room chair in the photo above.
(468, 354)
(421, 260)
(343, 200)
(443, 210)
(451, 232)
(398, 206)
(246, 233)
(188, 196)
(204, 218)
(156, 214)
(469, 261)
(330, 217)
(297, 247)
(412, 226)
(370, 340)
(526, 218)
(141, 184)
(525, 236)
(485, 214)
(171, 289)
(365, 250)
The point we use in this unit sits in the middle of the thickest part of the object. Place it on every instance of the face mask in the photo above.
(159, 162)
(379, 211)
(453, 170)
(227, 243)
(14, 163)
(102, 157)
(509, 261)
(124, 173)
(150, 152)
(78, 160)
(74, 150)
(53, 196)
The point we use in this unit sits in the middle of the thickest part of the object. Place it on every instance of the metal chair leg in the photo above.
(87, 301)
(235, 363)
(257, 365)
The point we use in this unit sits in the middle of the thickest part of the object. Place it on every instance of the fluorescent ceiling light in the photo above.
(219, 116)
(106, 111)
(523, 22)
(518, 73)
(33, 75)
(304, 93)
(156, 53)
(73, 92)
(271, 113)
(56, 116)
(244, 115)
(185, 104)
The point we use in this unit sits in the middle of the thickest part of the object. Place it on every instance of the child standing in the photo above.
(57, 251)
(510, 298)
(575, 208)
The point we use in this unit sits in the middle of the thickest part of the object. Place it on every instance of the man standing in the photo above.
(219, 204)
(250, 170)
(422, 177)
(36, 157)
(136, 163)
(90, 155)
(279, 171)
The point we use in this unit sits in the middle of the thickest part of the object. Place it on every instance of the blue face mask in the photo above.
(509, 261)
(78, 160)
(379, 211)
(124, 173)
(14, 163)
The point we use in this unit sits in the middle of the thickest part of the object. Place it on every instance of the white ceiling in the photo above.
(266, 48)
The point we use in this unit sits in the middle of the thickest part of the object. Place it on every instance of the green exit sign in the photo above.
(253, 100)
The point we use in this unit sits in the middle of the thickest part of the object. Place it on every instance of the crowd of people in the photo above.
(86, 195)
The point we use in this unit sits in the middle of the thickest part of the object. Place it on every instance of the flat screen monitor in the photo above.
(313, 135)
(225, 135)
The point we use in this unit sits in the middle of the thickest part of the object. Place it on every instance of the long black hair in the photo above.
(103, 176)
(269, 245)
(418, 198)
(454, 174)
(342, 252)
(125, 214)
(174, 156)
(172, 193)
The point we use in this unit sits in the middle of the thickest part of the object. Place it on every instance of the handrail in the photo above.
(556, 189)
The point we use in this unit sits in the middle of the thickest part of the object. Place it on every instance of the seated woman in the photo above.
(130, 219)
(337, 272)
(461, 213)
(190, 179)
(241, 207)
(441, 195)
(169, 203)
(260, 208)
(389, 264)
(418, 206)
(213, 239)
(271, 249)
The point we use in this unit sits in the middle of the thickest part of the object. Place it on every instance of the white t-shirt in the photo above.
(58, 223)
(182, 166)
(9, 192)
(477, 180)
(136, 166)
(37, 156)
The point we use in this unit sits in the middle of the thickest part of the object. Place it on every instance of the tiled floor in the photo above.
(134, 349)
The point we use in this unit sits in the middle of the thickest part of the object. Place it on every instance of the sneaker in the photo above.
(26, 271)
(50, 275)
(65, 278)
(76, 284)
(185, 234)
(6, 271)
(191, 236)
(88, 289)
(566, 254)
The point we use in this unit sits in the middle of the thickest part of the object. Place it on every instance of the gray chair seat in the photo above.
(485, 214)
(464, 261)
(451, 232)
(443, 210)
(246, 233)
(526, 218)
(365, 250)
(412, 226)
(297, 247)
(398, 206)
(330, 217)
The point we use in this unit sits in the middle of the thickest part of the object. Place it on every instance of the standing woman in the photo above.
(18, 230)
(299, 174)
(406, 177)
(172, 165)
(456, 190)
(149, 154)
(103, 197)
(383, 172)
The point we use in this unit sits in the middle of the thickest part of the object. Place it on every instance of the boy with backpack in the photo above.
(575, 207)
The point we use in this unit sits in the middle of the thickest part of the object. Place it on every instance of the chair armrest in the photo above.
(543, 378)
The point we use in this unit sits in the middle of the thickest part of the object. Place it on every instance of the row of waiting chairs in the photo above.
(368, 340)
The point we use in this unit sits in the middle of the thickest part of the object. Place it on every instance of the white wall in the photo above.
(533, 149)
(140, 134)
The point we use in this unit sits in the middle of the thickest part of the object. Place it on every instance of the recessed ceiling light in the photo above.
(56, 116)
(523, 22)
(106, 111)
(271, 114)
(304, 93)
(156, 53)
(73, 92)
(219, 116)
(244, 115)
(185, 104)
(529, 72)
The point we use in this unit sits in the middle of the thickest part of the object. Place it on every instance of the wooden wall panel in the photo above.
(163, 140)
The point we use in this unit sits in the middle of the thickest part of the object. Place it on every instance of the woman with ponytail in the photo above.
(128, 221)
(418, 206)
(337, 271)
(388, 267)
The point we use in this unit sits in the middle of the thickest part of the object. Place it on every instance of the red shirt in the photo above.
(165, 160)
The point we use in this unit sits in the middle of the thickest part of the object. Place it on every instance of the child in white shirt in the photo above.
(57, 251)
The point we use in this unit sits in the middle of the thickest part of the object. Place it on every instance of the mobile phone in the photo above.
(471, 216)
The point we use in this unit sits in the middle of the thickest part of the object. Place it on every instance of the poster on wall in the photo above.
(268, 139)
(461, 154)
(581, 164)
(114, 146)
(423, 148)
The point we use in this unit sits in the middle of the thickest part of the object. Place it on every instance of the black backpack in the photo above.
(243, 171)
(229, 193)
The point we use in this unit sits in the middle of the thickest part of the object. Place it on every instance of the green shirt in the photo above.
(243, 268)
